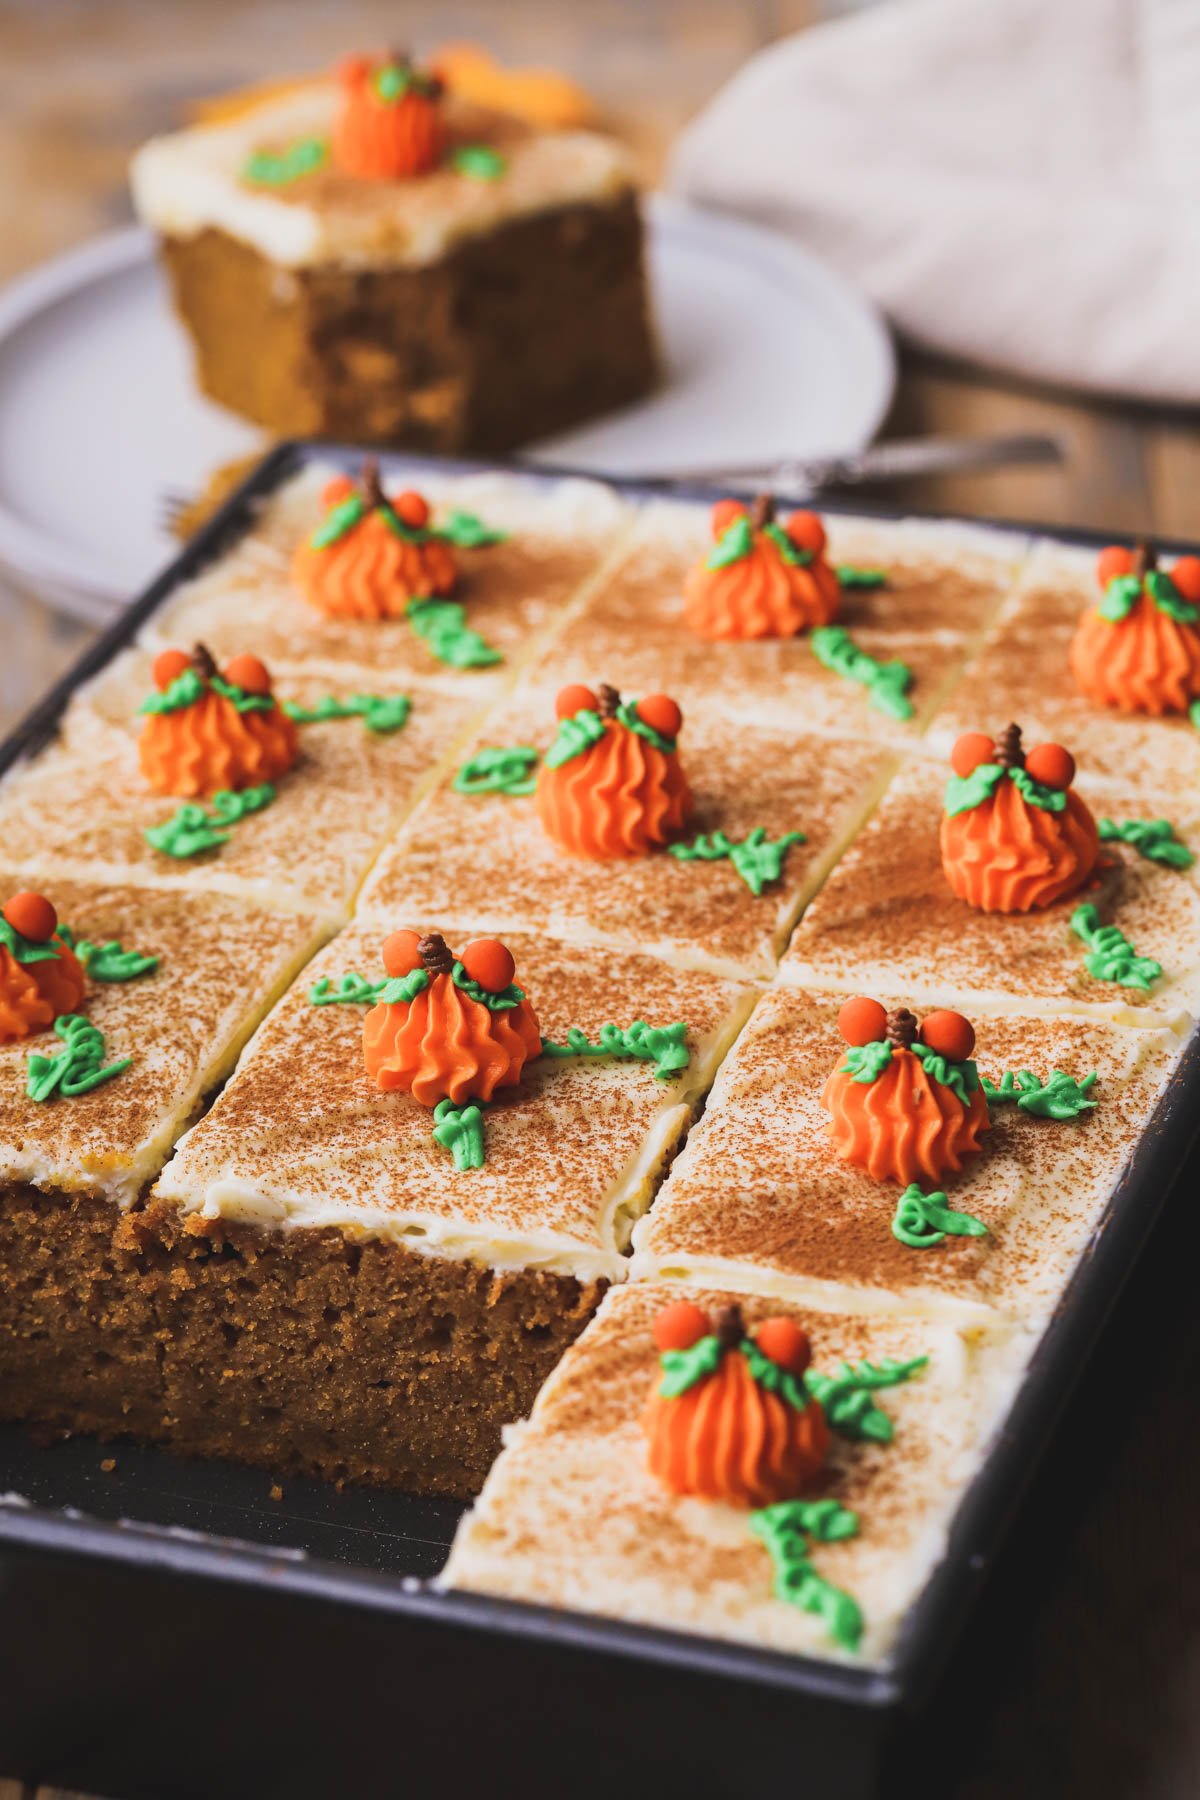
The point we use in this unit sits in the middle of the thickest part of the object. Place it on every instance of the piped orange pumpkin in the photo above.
(1138, 650)
(235, 738)
(611, 785)
(761, 579)
(371, 555)
(433, 1038)
(40, 977)
(390, 125)
(735, 1423)
(892, 1113)
(1015, 836)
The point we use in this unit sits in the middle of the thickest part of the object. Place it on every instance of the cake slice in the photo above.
(460, 282)
(761, 1200)
(355, 1303)
(572, 1517)
(551, 539)
(702, 913)
(79, 1345)
(888, 921)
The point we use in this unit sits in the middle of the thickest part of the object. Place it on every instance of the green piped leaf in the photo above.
(1111, 957)
(962, 1078)
(1168, 599)
(1062, 1097)
(338, 521)
(185, 690)
(1119, 598)
(629, 716)
(576, 734)
(466, 532)
(500, 771)
(402, 990)
(789, 552)
(276, 168)
(923, 1220)
(734, 543)
(866, 1062)
(25, 950)
(965, 792)
(109, 961)
(770, 1375)
(459, 1129)
(78, 1068)
(682, 1369)
(479, 161)
(887, 683)
(846, 1395)
(757, 858)
(1155, 839)
(851, 577)
(503, 1001)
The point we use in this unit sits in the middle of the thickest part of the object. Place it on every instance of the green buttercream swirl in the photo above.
(866, 1062)
(499, 771)
(846, 1395)
(785, 1530)
(193, 829)
(663, 1045)
(735, 542)
(923, 1220)
(1123, 592)
(576, 734)
(188, 688)
(757, 858)
(442, 627)
(109, 961)
(1111, 957)
(24, 949)
(1062, 1097)
(887, 683)
(682, 1369)
(78, 1068)
(459, 1129)
(380, 713)
(1155, 839)
(964, 792)
(276, 168)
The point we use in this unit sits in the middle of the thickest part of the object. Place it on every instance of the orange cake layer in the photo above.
(887, 920)
(483, 861)
(571, 1517)
(761, 1200)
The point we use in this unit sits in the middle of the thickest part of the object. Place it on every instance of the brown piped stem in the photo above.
(901, 1029)
(204, 662)
(762, 511)
(1009, 753)
(1145, 558)
(607, 701)
(436, 956)
(729, 1327)
(372, 487)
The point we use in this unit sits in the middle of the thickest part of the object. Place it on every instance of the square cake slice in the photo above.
(553, 539)
(492, 296)
(352, 1302)
(480, 859)
(759, 1199)
(572, 1517)
(887, 920)
(85, 806)
(940, 590)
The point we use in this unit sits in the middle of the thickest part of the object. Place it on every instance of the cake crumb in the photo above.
(276, 1491)
(109, 1464)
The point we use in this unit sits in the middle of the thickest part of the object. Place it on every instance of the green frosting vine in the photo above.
(851, 577)
(923, 1220)
(355, 990)
(1111, 957)
(380, 713)
(189, 687)
(886, 683)
(757, 858)
(193, 828)
(499, 771)
(24, 949)
(1155, 839)
(1123, 592)
(1062, 1097)
(632, 720)
(351, 990)
(108, 962)
(478, 161)
(663, 1045)
(466, 532)
(866, 1062)
(576, 734)
(846, 1396)
(786, 1529)
(442, 627)
(462, 529)
(78, 1068)
(503, 1001)
(964, 792)
(276, 168)
(459, 1129)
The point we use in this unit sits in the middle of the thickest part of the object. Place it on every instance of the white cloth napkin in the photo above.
(1016, 182)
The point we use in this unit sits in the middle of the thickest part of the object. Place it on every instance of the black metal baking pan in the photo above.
(172, 1630)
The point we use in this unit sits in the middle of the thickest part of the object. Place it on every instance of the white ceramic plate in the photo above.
(769, 355)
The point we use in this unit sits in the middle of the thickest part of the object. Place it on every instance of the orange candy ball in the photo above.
(785, 1343)
(337, 490)
(724, 513)
(806, 532)
(681, 1325)
(168, 666)
(1050, 764)
(248, 672)
(573, 699)
(862, 1021)
(1186, 576)
(661, 714)
(33, 916)
(971, 749)
(948, 1034)
(1114, 561)
(400, 953)
(412, 509)
(490, 963)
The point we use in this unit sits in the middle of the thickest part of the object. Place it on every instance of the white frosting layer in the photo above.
(191, 181)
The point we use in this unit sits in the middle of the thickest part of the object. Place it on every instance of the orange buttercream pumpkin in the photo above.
(368, 571)
(621, 796)
(729, 1437)
(904, 1125)
(1008, 854)
(197, 749)
(33, 995)
(390, 125)
(761, 593)
(443, 1044)
(1146, 662)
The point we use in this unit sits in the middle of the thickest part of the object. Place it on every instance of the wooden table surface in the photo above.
(1081, 1672)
